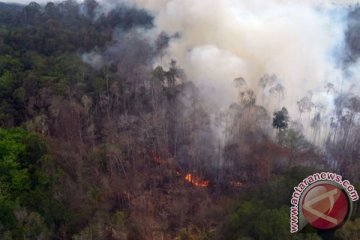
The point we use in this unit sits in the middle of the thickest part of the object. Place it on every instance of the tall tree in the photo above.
(280, 122)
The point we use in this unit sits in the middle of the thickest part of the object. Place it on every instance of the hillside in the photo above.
(102, 139)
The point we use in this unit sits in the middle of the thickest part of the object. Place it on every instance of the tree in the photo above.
(32, 12)
(269, 223)
(330, 88)
(90, 8)
(295, 142)
(278, 89)
(173, 73)
(248, 98)
(240, 84)
(266, 81)
(25, 183)
(304, 105)
(281, 119)
(280, 122)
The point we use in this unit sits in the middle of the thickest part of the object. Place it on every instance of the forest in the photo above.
(99, 142)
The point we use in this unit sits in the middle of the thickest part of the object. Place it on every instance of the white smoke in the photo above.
(221, 40)
(301, 42)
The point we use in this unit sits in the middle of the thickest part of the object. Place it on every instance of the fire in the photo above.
(196, 181)
(163, 157)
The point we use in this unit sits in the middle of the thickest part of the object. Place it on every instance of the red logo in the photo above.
(325, 206)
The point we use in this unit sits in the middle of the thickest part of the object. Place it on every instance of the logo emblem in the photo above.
(325, 206)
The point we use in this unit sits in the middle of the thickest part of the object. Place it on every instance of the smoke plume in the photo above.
(300, 43)
(222, 40)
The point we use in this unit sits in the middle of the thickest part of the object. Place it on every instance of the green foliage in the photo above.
(25, 185)
(40, 66)
(295, 140)
(6, 83)
(193, 234)
(30, 225)
(159, 73)
(251, 217)
(119, 218)
(42, 82)
(350, 230)
(306, 236)
(9, 62)
(281, 119)
(281, 122)
(19, 94)
(279, 189)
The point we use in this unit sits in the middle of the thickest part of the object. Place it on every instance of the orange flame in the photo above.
(196, 181)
